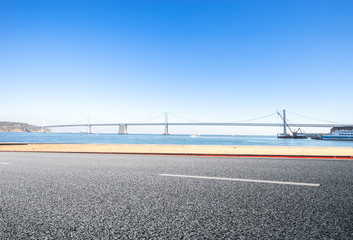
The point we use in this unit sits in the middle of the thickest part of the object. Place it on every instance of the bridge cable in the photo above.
(312, 118)
(191, 120)
(85, 120)
(99, 120)
(258, 118)
(248, 120)
(152, 118)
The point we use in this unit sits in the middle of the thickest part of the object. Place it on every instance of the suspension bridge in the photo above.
(123, 127)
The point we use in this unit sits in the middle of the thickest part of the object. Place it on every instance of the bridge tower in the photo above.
(122, 129)
(284, 122)
(166, 132)
(43, 129)
(89, 126)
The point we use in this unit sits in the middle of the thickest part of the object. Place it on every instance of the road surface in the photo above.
(102, 196)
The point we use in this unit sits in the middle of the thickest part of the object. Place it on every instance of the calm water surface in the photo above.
(170, 139)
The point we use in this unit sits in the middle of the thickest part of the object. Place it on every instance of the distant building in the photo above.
(334, 129)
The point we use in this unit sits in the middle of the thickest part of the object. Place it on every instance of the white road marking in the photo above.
(241, 180)
(5, 163)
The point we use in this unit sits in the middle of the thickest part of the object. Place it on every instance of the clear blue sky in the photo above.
(128, 61)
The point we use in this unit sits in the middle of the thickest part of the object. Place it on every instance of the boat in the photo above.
(297, 134)
(346, 135)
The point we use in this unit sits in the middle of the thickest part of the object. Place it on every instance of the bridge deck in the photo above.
(206, 124)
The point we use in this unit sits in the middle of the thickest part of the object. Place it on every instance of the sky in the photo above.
(210, 61)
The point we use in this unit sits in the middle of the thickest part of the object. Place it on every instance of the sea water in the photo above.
(239, 140)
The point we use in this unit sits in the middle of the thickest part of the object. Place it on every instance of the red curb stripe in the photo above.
(208, 155)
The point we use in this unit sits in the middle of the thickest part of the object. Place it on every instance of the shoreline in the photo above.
(186, 150)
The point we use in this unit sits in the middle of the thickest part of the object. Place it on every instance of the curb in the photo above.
(206, 155)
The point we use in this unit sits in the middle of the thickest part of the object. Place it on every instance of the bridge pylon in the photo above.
(43, 128)
(89, 126)
(123, 129)
(166, 132)
(283, 116)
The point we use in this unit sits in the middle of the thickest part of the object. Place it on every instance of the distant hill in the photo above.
(18, 127)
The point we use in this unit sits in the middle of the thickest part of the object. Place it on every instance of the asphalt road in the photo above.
(92, 196)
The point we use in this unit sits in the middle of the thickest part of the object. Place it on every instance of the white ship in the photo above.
(346, 135)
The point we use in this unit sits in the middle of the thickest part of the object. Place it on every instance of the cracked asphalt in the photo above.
(97, 196)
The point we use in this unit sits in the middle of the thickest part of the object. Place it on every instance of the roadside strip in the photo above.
(341, 153)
